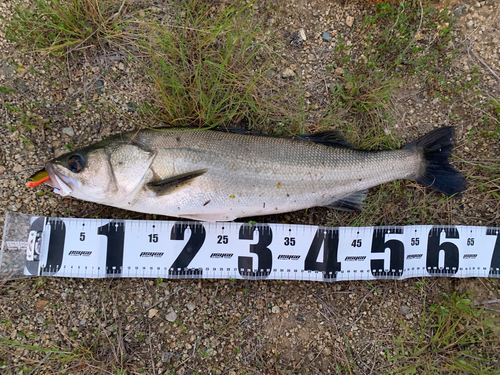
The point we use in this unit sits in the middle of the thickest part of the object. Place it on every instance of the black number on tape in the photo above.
(265, 256)
(198, 233)
(115, 233)
(495, 258)
(82, 236)
(356, 243)
(56, 247)
(222, 239)
(329, 266)
(434, 247)
(289, 241)
(397, 257)
(153, 237)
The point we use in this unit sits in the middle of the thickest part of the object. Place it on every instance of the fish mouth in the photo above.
(63, 185)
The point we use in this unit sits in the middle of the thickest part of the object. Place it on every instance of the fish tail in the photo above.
(437, 173)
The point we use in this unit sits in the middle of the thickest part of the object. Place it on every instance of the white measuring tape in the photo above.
(96, 248)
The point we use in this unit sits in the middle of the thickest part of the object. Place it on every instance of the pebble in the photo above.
(470, 24)
(166, 356)
(349, 21)
(191, 306)
(2, 169)
(287, 73)
(302, 34)
(404, 310)
(171, 316)
(339, 71)
(152, 313)
(326, 37)
(17, 168)
(68, 131)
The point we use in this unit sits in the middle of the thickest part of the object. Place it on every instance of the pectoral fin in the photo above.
(171, 184)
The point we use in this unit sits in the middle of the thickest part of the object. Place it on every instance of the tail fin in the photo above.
(439, 174)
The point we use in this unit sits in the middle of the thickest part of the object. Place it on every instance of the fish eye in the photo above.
(75, 163)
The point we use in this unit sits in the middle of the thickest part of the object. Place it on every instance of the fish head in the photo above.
(108, 172)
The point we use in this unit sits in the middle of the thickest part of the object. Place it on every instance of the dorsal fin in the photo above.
(332, 138)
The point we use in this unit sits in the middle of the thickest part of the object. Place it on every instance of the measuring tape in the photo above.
(97, 248)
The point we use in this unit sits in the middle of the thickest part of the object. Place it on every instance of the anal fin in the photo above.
(171, 184)
(209, 217)
(353, 202)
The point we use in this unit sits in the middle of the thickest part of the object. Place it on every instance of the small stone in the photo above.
(307, 94)
(121, 66)
(171, 316)
(326, 37)
(166, 356)
(409, 316)
(275, 310)
(339, 71)
(131, 106)
(152, 313)
(142, 14)
(435, 100)
(188, 346)
(68, 131)
(111, 328)
(327, 351)
(100, 85)
(302, 34)
(17, 168)
(299, 318)
(404, 310)
(191, 306)
(287, 73)
(40, 304)
(349, 21)
(2, 169)
(470, 24)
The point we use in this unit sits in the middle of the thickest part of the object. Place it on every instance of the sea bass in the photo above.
(220, 176)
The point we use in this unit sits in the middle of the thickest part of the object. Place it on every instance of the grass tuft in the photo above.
(454, 336)
(211, 67)
(59, 25)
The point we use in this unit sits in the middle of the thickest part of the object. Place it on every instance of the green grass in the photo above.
(58, 26)
(398, 41)
(453, 336)
(211, 67)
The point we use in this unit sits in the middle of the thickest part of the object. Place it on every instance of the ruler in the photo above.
(97, 248)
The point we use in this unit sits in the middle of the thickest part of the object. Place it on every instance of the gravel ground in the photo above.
(221, 326)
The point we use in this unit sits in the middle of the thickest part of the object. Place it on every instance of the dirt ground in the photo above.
(222, 326)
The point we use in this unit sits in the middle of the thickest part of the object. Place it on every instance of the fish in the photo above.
(211, 175)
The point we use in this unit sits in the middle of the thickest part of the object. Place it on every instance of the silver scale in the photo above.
(98, 248)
